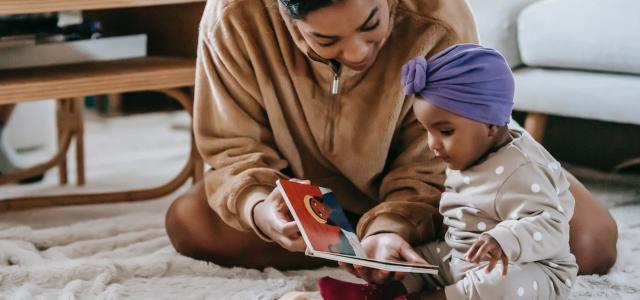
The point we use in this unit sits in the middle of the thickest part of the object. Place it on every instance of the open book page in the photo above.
(327, 231)
(391, 266)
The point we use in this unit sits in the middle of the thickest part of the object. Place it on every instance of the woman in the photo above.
(310, 89)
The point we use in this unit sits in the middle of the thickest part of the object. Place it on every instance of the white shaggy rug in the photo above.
(120, 251)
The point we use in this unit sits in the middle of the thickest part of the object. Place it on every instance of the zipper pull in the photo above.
(336, 84)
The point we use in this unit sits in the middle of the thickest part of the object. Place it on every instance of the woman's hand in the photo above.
(384, 246)
(272, 217)
(487, 246)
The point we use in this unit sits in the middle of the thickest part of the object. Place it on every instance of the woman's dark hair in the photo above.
(298, 9)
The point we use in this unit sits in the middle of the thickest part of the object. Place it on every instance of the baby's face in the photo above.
(459, 141)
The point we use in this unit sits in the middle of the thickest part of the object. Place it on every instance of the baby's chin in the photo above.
(455, 166)
(450, 166)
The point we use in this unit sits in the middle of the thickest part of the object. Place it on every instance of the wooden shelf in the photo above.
(96, 78)
(8, 7)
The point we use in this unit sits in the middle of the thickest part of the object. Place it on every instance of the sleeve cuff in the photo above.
(390, 223)
(248, 200)
(507, 240)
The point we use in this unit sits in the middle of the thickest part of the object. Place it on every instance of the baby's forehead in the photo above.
(431, 113)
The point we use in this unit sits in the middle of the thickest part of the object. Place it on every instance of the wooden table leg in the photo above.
(63, 106)
(78, 111)
(535, 124)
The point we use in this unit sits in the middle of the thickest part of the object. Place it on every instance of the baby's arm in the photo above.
(535, 225)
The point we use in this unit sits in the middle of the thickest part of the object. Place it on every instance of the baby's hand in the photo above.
(487, 246)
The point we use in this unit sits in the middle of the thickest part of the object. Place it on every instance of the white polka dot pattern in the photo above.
(535, 188)
(466, 180)
(520, 291)
(537, 236)
(482, 226)
(499, 170)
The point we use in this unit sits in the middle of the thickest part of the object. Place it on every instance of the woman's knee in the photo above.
(594, 232)
(196, 231)
(182, 223)
(596, 252)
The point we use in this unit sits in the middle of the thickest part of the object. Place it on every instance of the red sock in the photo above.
(333, 289)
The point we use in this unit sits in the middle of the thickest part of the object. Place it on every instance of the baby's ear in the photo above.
(493, 130)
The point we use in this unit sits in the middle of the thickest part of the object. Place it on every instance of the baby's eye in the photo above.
(446, 132)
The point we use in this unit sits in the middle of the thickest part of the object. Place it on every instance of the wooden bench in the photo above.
(171, 75)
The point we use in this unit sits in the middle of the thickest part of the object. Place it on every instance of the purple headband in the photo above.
(465, 79)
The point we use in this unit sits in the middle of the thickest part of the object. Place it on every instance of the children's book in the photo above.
(327, 231)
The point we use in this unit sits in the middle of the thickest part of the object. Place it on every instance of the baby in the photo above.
(506, 199)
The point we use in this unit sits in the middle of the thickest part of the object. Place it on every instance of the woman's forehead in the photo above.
(341, 18)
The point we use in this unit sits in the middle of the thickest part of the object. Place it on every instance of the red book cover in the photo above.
(321, 217)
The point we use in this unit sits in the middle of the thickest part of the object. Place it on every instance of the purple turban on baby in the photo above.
(465, 79)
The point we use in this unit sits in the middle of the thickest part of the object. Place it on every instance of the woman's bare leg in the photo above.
(195, 230)
(593, 232)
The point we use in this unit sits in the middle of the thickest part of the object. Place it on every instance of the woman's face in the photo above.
(349, 31)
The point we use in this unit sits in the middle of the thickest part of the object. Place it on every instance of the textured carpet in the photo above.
(120, 251)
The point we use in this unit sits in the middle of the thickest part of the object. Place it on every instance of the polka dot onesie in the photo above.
(520, 196)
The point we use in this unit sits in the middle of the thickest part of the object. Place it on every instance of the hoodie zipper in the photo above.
(334, 108)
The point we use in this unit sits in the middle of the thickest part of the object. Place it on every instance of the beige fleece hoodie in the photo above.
(267, 107)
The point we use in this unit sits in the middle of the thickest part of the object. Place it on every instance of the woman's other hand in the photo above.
(384, 246)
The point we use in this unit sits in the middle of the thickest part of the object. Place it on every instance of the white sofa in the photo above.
(572, 58)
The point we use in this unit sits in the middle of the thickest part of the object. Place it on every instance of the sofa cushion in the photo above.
(496, 20)
(588, 95)
(581, 34)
